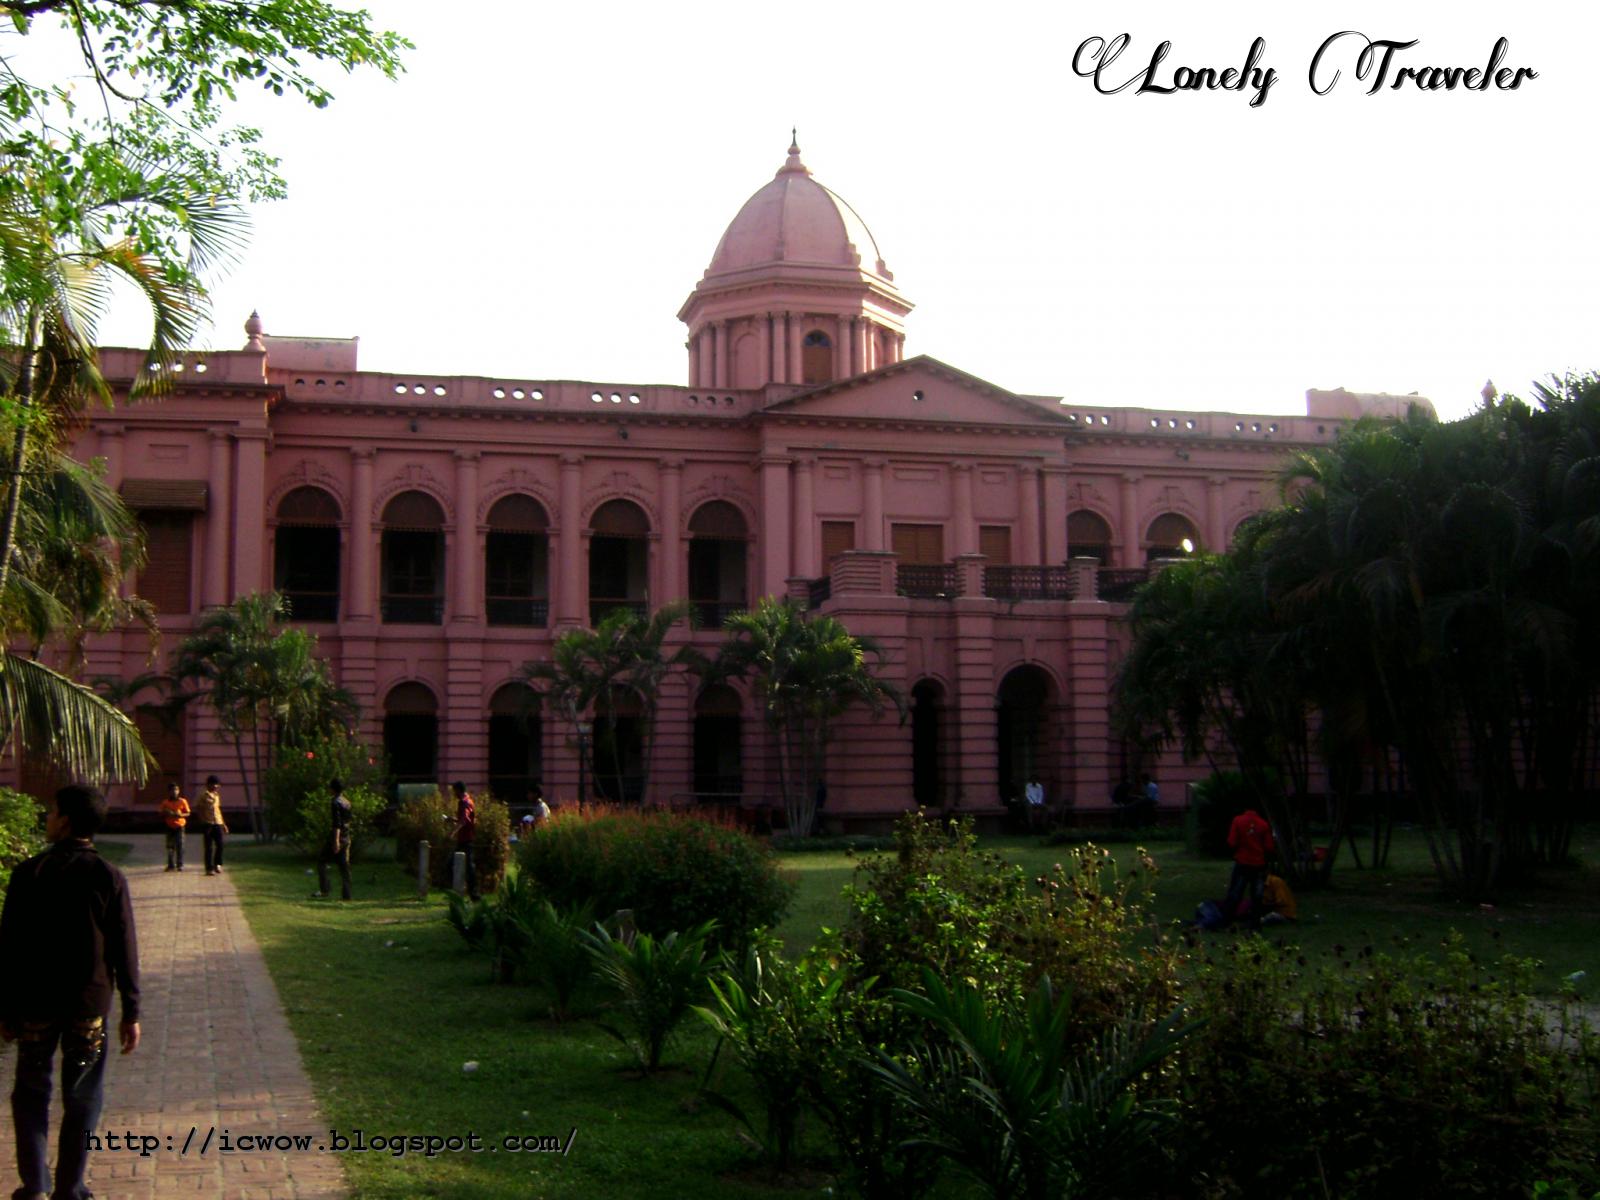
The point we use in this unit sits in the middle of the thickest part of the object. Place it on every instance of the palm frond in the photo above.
(52, 717)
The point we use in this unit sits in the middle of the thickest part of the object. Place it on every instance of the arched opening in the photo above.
(413, 560)
(411, 733)
(516, 743)
(305, 559)
(1023, 702)
(718, 765)
(747, 362)
(516, 573)
(619, 747)
(1088, 536)
(1171, 535)
(816, 357)
(618, 560)
(927, 742)
(718, 539)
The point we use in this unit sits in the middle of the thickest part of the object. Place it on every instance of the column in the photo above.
(1131, 533)
(841, 349)
(1215, 534)
(570, 564)
(859, 354)
(363, 537)
(1028, 522)
(1055, 516)
(966, 525)
(872, 502)
(774, 524)
(797, 335)
(805, 519)
(694, 363)
(466, 551)
(249, 524)
(672, 587)
(780, 348)
(764, 349)
(719, 354)
(702, 346)
(219, 488)
(111, 451)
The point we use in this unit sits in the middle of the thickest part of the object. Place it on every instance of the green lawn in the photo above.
(388, 1003)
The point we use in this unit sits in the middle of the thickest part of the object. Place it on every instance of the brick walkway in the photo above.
(216, 1052)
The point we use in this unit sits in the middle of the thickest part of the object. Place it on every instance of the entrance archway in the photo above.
(411, 733)
(927, 741)
(516, 742)
(619, 747)
(718, 765)
(1023, 702)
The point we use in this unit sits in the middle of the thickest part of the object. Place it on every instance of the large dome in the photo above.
(794, 219)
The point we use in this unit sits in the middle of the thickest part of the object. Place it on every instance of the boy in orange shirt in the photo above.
(175, 809)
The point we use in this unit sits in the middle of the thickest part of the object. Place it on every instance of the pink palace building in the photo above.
(438, 532)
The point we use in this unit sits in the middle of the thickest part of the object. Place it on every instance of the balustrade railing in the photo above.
(928, 581)
(412, 610)
(819, 591)
(312, 606)
(518, 610)
(710, 614)
(1014, 583)
(1117, 584)
(601, 608)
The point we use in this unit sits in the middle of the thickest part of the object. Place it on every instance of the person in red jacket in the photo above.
(1250, 839)
(466, 828)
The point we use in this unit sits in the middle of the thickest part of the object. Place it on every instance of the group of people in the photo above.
(206, 813)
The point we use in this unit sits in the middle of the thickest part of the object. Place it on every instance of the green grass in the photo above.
(385, 1028)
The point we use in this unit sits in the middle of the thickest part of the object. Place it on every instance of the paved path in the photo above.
(216, 1052)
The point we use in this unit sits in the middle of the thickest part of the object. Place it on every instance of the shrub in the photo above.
(305, 770)
(500, 925)
(1382, 1077)
(491, 841)
(672, 871)
(1218, 799)
(428, 818)
(21, 831)
(557, 953)
(313, 822)
(657, 984)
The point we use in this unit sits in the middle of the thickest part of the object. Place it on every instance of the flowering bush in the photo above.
(305, 770)
(432, 819)
(21, 831)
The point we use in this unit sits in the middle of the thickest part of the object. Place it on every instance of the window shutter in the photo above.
(994, 543)
(918, 545)
(165, 578)
(837, 537)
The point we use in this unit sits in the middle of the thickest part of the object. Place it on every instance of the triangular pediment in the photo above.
(920, 389)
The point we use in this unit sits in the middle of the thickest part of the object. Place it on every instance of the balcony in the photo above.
(819, 591)
(524, 611)
(1014, 583)
(602, 607)
(710, 614)
(412, 610)
(1117, 585)
(312, 606)
(928, 581)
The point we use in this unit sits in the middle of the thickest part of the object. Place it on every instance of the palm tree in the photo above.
(266, 685)
(55, 281)
(807, 674)
(598, 669)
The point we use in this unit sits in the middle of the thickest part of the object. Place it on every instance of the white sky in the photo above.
(540, 192)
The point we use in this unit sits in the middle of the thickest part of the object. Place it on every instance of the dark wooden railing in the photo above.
(819, 592)
(413, 610)
(1030, 583)
(928, 581)
(1117, 584)
(710, 614)
(312, 606)
(600, 609)
(531, 611)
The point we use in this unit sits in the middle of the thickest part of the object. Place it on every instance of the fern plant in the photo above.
(657, 984)
(557, 951)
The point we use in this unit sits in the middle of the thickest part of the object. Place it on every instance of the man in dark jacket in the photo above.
(337, 848)
(66, 943)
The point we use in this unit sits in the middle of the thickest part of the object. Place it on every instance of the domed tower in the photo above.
(796, 292)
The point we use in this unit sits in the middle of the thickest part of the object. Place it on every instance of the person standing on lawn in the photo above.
(175, 811)
(466, 828)
(66, 943)
(213, 829)
(337, 848)
(1250, 839)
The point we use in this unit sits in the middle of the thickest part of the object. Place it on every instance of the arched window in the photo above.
(413, 560)
(411, 733)
(305, 566)
(816, 357)
(619, 559)
(718, 541)
(1088, 536)
(516, 743)
(1171, 535)
(517, 563)
(718, 763)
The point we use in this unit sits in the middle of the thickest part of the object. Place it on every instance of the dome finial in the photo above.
(793, 165)
(253, 329)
